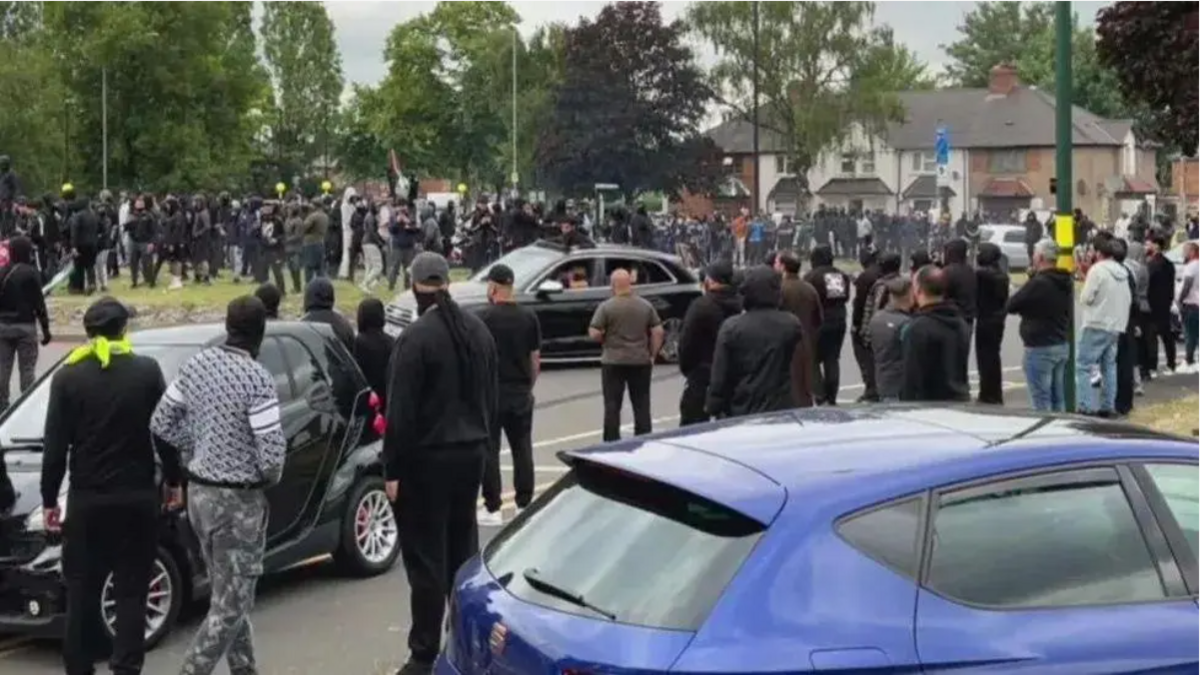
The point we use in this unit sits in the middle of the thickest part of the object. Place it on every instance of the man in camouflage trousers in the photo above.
(223, 412)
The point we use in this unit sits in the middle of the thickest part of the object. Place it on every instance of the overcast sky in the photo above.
(363, 27)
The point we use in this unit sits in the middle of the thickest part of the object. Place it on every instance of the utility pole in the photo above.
(104, 123)
(515, 175)
(754, 189)
(1064, 222)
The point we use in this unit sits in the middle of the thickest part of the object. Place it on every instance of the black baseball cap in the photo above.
(720, 272)
(501, 274)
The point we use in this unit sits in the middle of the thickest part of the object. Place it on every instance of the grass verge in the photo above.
(1176, 417)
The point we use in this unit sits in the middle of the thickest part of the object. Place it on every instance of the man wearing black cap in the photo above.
(518, 337)
(441, 412)
(698, 338)
(98, 423)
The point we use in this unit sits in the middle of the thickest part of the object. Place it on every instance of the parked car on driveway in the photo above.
(1011, 240)
(565, 286)
(881, 539)
(331, 500)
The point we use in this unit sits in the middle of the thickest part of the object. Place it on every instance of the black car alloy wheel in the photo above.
(670, 348)
(163, 602)
(370, 533)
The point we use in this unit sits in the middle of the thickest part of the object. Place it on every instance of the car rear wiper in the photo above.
(534, 578)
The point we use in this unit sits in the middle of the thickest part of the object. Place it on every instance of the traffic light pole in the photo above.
(1064, 222)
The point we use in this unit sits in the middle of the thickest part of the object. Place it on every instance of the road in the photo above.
(310, 621)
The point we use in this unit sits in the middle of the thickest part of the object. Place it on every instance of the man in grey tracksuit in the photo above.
(885, 329)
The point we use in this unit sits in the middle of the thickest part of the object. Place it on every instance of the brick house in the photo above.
(1002, 157)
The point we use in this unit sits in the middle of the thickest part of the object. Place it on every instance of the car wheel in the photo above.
(163, 602)
(670, 348)
(370, 533)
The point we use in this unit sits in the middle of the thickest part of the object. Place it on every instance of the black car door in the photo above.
(307, 417)
(565, 315)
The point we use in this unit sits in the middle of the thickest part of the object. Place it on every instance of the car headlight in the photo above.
(36, 521)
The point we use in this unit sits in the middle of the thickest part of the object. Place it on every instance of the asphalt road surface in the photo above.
(311, 621)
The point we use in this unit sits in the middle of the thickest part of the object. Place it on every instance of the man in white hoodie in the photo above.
(1104, 308)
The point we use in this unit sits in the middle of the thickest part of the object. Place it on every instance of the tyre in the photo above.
(370, 534)
(670, 347)
(163, 603)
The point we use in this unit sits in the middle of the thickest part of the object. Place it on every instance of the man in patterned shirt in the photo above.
(223, 413)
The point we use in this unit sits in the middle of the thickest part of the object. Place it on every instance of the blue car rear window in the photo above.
(635, 550)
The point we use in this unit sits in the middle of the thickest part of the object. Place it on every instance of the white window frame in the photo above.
(848, 159)
(924, 162)
(866, 163)
(783, 165)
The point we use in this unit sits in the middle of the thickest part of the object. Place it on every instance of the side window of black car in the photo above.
(1054, 540)
(271, 356)
(888, 534)
(306, 372)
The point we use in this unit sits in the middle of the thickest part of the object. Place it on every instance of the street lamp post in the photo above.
(515, 175)
(104, 124)
(1064, 222)
(754, 190)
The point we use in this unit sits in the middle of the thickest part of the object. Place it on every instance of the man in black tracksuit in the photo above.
(961, 283)
(442, 403)
(935, 344)
(863, 284)
(84, 227)
(833, 287)
(698, 339)
(98, 423)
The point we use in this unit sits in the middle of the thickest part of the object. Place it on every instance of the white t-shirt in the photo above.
(1192, 271)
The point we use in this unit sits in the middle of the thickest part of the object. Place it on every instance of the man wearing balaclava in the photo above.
(98, 422)
(441, 407)
(222, 410)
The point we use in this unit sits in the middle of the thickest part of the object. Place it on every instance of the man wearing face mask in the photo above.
(442, 406)
(222, 411)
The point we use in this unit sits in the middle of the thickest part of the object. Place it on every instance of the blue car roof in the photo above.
(827, 452)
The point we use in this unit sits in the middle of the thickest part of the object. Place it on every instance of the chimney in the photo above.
(1003, 80)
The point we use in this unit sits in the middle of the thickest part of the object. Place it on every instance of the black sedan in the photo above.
(331, 500)
(565, 286)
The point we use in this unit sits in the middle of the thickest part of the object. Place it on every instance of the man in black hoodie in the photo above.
(372, 346)
(84, 227)
(698, 339)
(833, 287)
(1161, 295)
(270, 296)
(961, 283)
(935, 343)
(752, 362)
(1044, 304)
(863, 284)
(318, 308)
(992, 285)
(22, 310)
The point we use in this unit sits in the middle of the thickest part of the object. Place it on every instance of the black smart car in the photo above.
(331, 500)
(565, 286)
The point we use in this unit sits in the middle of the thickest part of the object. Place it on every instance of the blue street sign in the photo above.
(941, 145)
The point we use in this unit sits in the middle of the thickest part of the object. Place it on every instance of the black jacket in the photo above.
(84, 227)
(961, 286)
(936, 344)
(991, 287)
(862, 293)
(318, 307)
(698, 336)
(1161, 292)
(440, 398)
(752, 363)
(1044, 305)
(21, 298)
(373, 347)
(833, 287)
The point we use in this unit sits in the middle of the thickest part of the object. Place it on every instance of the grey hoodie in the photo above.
(1135, 261)
(1106, 298)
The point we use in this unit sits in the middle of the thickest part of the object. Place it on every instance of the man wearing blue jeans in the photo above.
(1044, 305)
(1104, 304)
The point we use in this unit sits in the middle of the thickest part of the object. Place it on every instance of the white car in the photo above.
(1011, 240)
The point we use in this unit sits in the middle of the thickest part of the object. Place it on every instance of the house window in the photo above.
(1006, 161)
(783, 165)
(867, 165)
(848, 163)
(1130, 161)
(924, 162)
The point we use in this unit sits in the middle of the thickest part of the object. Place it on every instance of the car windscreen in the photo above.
(26, 422)
(608, 544)
(525, 262)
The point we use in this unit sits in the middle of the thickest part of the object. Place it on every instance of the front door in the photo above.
(1062, 571)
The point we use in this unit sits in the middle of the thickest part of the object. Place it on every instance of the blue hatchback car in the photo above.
(892, 539)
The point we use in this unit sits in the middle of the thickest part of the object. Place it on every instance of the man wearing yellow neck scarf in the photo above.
(98, 423)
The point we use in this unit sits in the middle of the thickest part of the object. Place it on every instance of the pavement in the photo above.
(311, 621)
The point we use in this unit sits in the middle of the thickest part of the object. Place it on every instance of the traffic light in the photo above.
(1053, 186)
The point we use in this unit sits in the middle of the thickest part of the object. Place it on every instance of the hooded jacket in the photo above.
(318, 308)
(21, 298)
(698, 336)
(961, 284)
(1044, 305)
(936, 343)
(832, 286)
(1106, 298)
(752, 362)
(991, 286)
(373, 347)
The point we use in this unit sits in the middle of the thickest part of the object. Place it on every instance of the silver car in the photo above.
(1011, 240)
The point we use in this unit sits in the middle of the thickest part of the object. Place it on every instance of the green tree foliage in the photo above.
(1022, 35)
(629, 106)
(1152, 49)
(31, 128)
(823, 67)
(306, 70)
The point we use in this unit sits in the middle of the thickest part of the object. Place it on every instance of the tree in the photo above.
(823, 68)
(629, 105)
(306, 70)
(1022, 35)
(1152, 49)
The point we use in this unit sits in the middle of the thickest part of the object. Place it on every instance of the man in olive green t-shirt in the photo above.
(630, 334)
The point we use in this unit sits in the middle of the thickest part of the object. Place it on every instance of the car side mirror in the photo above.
(550, 287)
(320, 397)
